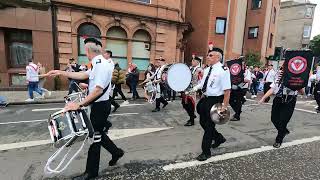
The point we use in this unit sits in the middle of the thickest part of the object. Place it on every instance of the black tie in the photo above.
(204, 87)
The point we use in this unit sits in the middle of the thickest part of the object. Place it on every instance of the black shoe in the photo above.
(219, 142)
(164, 105)
(84, 176)
(156, 110)
(189, 123)
(234, 119)
(277, 145)
(115, 158)
(115, 108)
(203, 157)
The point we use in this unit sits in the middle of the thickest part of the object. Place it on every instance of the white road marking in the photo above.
(113, 134)
(41, 120)
(58, 109)
(238, 154)
(298, 109)
(47, 109)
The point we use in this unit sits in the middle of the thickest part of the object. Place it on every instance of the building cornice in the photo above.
(296, 5)
(115, 13)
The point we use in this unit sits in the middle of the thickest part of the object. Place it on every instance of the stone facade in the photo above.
(294, 18)
(34, 21)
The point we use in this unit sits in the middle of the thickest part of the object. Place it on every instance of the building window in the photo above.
(305, 46)
(309, 12)
(141, 46)
(256, 4)
(84, 31)
(253, 32)
(271, 40)
(144, 1)
(221, 25)
(17, 80)
(274, 15)
(306, 31)
(117, 43)
(19, 44)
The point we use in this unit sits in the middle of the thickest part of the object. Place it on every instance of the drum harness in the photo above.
(91, 137)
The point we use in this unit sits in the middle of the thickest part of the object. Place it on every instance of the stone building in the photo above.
(295, 24)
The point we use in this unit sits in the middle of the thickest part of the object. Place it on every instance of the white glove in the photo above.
(194, 89)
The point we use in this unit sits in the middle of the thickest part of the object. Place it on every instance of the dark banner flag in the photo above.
(236, 71)
(297, 68)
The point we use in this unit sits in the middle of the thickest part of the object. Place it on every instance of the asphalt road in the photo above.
(148, 153)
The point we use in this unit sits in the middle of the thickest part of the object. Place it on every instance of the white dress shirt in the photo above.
(218, 82)
(100, 75)
(270, 75)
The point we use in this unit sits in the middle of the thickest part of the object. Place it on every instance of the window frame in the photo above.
(225, 25)
(8, 41)
(274, 15)
(305, 15)
(255, 8)
(79, 36)
(271, 40)
(257, 27)
(309, 32)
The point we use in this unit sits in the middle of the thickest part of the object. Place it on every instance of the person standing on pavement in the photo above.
(134, 81)
(118, 78)
(42, 78)
(72, 66)
(256, 77)
(99, 88)
(32, 77)
(269, 78)
(161, 64)
(215, 85)
(282, 107)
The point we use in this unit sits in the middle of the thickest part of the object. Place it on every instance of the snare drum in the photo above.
(75, 97)
(66, 125)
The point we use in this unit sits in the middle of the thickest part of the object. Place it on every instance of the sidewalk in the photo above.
(19, 97)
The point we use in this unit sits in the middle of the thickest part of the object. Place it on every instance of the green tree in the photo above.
(315, 45)
(253, 59)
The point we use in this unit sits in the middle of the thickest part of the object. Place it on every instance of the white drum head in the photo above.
(179, 77)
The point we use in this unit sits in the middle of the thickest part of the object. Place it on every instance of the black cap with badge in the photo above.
(214, 49)
(197, 59)
(93, 40)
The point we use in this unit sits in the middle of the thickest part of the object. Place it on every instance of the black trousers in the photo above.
(159, 101)
(117, 89)
(317, 94)
(98, 116)
(188, 105)
(235, 101)
(113, 102)
(281, 114)
(210, 132)
(266, 88)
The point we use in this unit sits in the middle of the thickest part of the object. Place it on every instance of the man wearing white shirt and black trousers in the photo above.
(99, 88)
(269, 78)
(215, 85)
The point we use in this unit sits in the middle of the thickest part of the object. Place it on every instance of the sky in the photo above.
(316, 21)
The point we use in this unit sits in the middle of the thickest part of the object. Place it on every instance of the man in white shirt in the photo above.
(269, 78)
(32, 76)
(215, 85)
(98, 98)
(161, 63)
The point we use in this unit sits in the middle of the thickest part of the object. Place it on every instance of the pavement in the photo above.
(158, 146)
(19, 97)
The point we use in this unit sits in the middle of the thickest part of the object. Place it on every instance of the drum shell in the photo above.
(75, 97)
(217, 117)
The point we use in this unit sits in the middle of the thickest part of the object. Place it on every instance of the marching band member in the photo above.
(317, 89)
(99, 88)
(269, 78)
(282, 107)
(188, 103)
(216, 87)
(238, 92)
(157, 80)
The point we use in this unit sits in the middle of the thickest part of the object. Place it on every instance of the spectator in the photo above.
(128, 77)
(42, 78)
(33, 80)
(256, 77)
(118, 78)
(72, 66)
(134, 78)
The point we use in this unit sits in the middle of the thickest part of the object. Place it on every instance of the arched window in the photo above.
(86, 30)
(141, 45)
(118, 44)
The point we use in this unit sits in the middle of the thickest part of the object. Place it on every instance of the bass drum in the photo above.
(177, 76)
